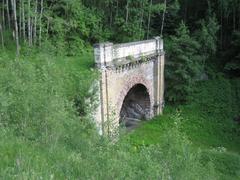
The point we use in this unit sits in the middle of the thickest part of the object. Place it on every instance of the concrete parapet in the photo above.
(107, 53)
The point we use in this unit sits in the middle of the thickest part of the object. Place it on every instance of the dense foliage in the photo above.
(70, 26)
(43, 136)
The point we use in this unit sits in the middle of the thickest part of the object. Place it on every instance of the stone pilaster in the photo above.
(103, 57)
(158, 78)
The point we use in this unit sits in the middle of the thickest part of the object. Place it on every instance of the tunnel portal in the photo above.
(136, 107)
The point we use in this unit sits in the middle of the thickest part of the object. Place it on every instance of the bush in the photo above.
(35, 97)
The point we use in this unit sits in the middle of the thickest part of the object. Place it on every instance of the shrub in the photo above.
(34, 97)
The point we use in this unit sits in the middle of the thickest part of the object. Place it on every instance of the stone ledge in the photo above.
(110, 55)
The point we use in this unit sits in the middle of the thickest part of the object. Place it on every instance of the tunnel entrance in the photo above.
(136, 107)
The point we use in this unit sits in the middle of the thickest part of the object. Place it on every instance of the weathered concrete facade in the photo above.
(123, 67)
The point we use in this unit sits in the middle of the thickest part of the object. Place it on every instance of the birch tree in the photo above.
(29, 23)
(149, 18)
(35, 22)
(16, 26)
(163, 17)
(127, 12)
(23, 20)
(1, 33)
(40, 23)
(3, 15)
(20, 20)
(8, 15)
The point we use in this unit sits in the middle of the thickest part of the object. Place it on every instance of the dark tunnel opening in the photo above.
(136, 107)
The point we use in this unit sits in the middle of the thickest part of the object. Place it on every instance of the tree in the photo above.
(207, 37)
(149, 17)
(166, 17)
(35, 22)
(8, 14)
(163, 17)
(40, 23)
(22, 4)
(29, 24)
(2, 21)
(183, 65)
(14, 9)
(1, 34)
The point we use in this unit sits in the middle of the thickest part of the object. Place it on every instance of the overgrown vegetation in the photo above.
(194, 141)
(43, 137)
(207, 122)
(71, 26)
(45, 118)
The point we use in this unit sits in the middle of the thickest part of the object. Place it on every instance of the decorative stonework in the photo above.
(123, 66)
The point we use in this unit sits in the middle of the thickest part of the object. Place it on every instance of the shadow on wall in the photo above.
(136, 107)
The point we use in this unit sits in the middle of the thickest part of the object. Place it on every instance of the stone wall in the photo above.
(122, 66)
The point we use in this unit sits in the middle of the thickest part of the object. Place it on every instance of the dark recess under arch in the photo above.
(136, 107)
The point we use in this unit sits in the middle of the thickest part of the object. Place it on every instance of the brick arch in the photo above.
(128, 85)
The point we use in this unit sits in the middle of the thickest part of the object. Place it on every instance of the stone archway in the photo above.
(136, 107)
(128, 85)
(131, 82)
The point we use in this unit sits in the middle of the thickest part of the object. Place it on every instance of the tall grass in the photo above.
(46, 132)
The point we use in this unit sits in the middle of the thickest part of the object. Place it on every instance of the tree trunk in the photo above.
(163, 17)
(149, 19)
(127, 12)
(20, 20)
(31, 30)
(48, 24)
(29, 23)
(1, 32)
(3, 16)
(141, 20)
(40, 24)
(16, 25)
(23, 21)
(8, 15)
(35, 23)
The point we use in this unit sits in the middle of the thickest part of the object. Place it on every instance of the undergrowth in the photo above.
(47, 133)
(208, 123)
